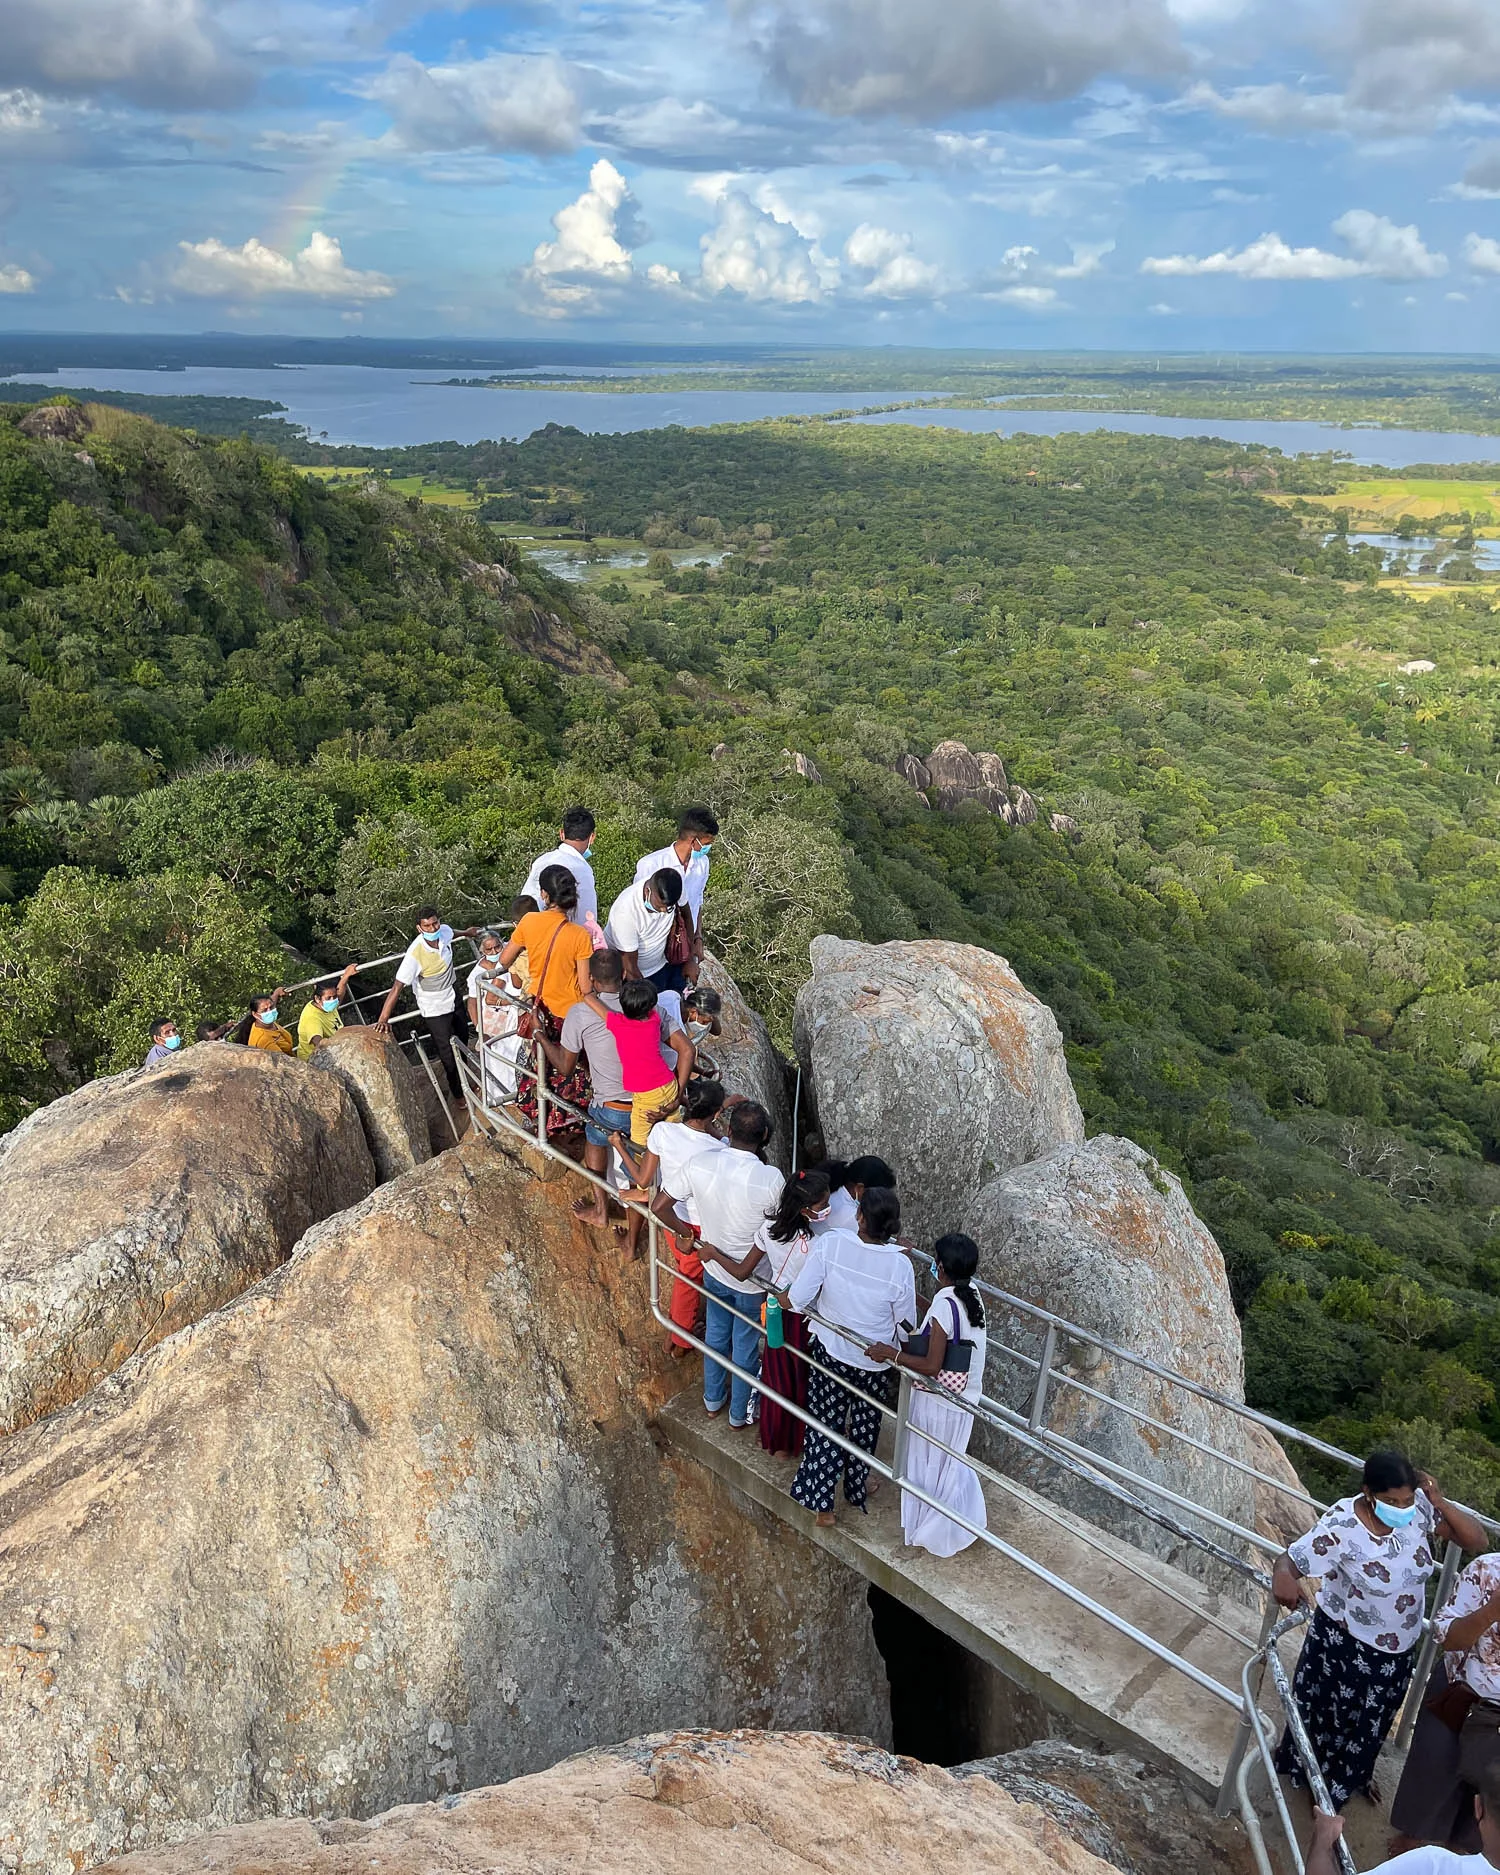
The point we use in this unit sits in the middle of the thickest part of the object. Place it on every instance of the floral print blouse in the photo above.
(1372, 1585)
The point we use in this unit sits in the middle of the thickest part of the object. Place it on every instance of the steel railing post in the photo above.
(1243, 1732)
(1447, 1576)
(903, 1427)
(1043, 1378)
(541, 1089)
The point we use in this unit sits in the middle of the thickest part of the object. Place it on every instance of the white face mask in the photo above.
(817, 1217)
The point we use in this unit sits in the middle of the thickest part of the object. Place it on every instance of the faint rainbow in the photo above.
(305, 209)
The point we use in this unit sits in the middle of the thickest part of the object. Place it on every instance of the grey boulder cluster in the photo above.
(954, 774)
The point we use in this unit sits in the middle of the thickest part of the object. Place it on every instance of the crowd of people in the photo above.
(803, 1292)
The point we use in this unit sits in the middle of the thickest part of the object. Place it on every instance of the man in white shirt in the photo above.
(733, 1191)
(640, 922)
(863, 1282)
(574, 849)
(427, 969)
(688, 858)
(1322, 1857)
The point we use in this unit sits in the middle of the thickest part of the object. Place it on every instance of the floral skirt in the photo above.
(1348, 1695)
(574, 1088)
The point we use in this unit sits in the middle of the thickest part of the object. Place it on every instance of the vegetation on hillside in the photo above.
(241, 708)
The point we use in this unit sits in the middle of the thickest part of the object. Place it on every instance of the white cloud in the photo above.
(872, 58)
(1162, 310)
(595, 234)
(1088, 257)
(14, 279)
(1278, 109)
(894, 271)
(1482, 253)
(1032, 298)
(761, 256)
(1378, 248)
(211, 270)
(1482, 177)
(501, 102)
(153, 52)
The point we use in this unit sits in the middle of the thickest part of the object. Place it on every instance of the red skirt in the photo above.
(781, 1431)
(687, 1305)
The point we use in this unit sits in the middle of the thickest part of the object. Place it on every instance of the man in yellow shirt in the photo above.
(320, 1015)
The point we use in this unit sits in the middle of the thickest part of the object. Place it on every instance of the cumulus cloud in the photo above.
(14, 279)
(501, 102)
(1482, 177)
(595, 235)
(1278, 109)
(873, 58)
(1031, 298)
(762, 256)
(1088, 257)
(211, 270)
(1482, 253)
(1377, 247)
(153, 52)
(891, 268)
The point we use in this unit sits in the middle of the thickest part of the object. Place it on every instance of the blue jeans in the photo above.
(733, 1329)
(604, 1121)
(669, 977)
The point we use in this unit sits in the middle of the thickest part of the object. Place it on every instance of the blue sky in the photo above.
(1178, 174)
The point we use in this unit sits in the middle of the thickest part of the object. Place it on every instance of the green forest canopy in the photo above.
(240, 708)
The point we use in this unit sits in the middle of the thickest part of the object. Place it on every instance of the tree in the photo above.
(384, 872)
(89, 961)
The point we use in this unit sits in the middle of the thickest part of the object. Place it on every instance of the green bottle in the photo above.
(774, 1336)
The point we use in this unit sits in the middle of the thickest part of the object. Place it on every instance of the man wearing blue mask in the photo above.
(687, 856)
(574, 850)
(166, 1039)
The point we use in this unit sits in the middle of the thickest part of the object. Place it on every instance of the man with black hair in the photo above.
(166, 1039)
(574, 849)
(733, 1191)
(1322, 1856)
(687, 856)
(640, 922)
(427, 968)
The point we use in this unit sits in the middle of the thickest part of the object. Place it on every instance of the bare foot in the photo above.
(826, 1520)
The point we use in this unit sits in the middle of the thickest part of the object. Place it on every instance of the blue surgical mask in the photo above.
(268, 1016)
(1392, 1516)
(330, 1003)
(588, 852)
(932, 1269)
(706, 848)
(171, 1041)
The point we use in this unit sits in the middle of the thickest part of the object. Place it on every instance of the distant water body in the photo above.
(383, 409)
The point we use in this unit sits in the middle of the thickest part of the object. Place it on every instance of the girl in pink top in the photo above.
(636, 1033)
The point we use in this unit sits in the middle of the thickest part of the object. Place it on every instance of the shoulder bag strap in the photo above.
(953, 1304)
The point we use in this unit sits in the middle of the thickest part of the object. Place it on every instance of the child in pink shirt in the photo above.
(636, 1033)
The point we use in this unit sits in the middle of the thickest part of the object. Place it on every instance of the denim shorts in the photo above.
(604, 1121)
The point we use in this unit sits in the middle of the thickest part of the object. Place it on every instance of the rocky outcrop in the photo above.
(387, 1090)
(60, 423)
(1023, 808)
(391, 1525)
(935, 1056)
(757, 1803)
(1133, 1816)
(911, 768)
(957, 776)
(1099, 1233)
(747, 1059)
(1282, 1515)
(139, 1203)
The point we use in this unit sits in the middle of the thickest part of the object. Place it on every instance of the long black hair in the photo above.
(561, 889)
(958, 1257)
(802, 1191)
(246, 1023)
(703, 1100)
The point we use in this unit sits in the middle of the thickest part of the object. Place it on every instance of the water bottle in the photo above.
(774, 1337)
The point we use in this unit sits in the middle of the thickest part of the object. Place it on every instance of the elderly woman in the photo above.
(1373, 1554)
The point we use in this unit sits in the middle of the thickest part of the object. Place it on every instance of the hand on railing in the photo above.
(1323, 1851)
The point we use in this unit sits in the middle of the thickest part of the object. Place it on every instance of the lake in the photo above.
(383, 408)
(1406, 556)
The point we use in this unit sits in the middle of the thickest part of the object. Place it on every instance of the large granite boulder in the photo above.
(759, 1803)
(1136, 1817)
(937, 1057)
(142, 1202)
(391, 1525)
(956, 775)
(1100, 1234)
(747, 1059)
(387, 1090)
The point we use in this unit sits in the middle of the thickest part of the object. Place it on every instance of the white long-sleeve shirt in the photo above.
(582, 871)
(868, 1288)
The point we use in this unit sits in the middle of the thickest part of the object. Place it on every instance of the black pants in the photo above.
(440, 1031)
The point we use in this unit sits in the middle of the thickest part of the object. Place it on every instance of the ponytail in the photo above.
(561, 889)
(787, 1218)
(958, 1258)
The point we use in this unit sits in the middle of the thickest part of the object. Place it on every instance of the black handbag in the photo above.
(957, 1356)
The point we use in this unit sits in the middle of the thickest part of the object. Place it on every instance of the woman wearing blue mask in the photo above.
(320, 1016)
(1373, 1554)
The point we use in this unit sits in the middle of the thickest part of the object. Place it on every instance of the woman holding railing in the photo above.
(1373, 1554)
(955, 1322)
(786, 1237)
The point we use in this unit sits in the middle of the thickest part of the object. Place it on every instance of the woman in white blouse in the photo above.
(956, 1315)
(786, 1238)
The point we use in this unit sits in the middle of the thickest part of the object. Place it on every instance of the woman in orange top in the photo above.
(260, 1027)
(557, 950)
(557, 973)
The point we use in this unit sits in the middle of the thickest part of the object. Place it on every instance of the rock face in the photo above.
(386, 1090)
(393, 1524)
(1133, 1816)
(141, 1202)
(955, 775)
(935, 1056)
(1100, 1234)
(758, 1803)
(747, 1059)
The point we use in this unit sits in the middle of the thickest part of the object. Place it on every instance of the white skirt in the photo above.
(947, 1479)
